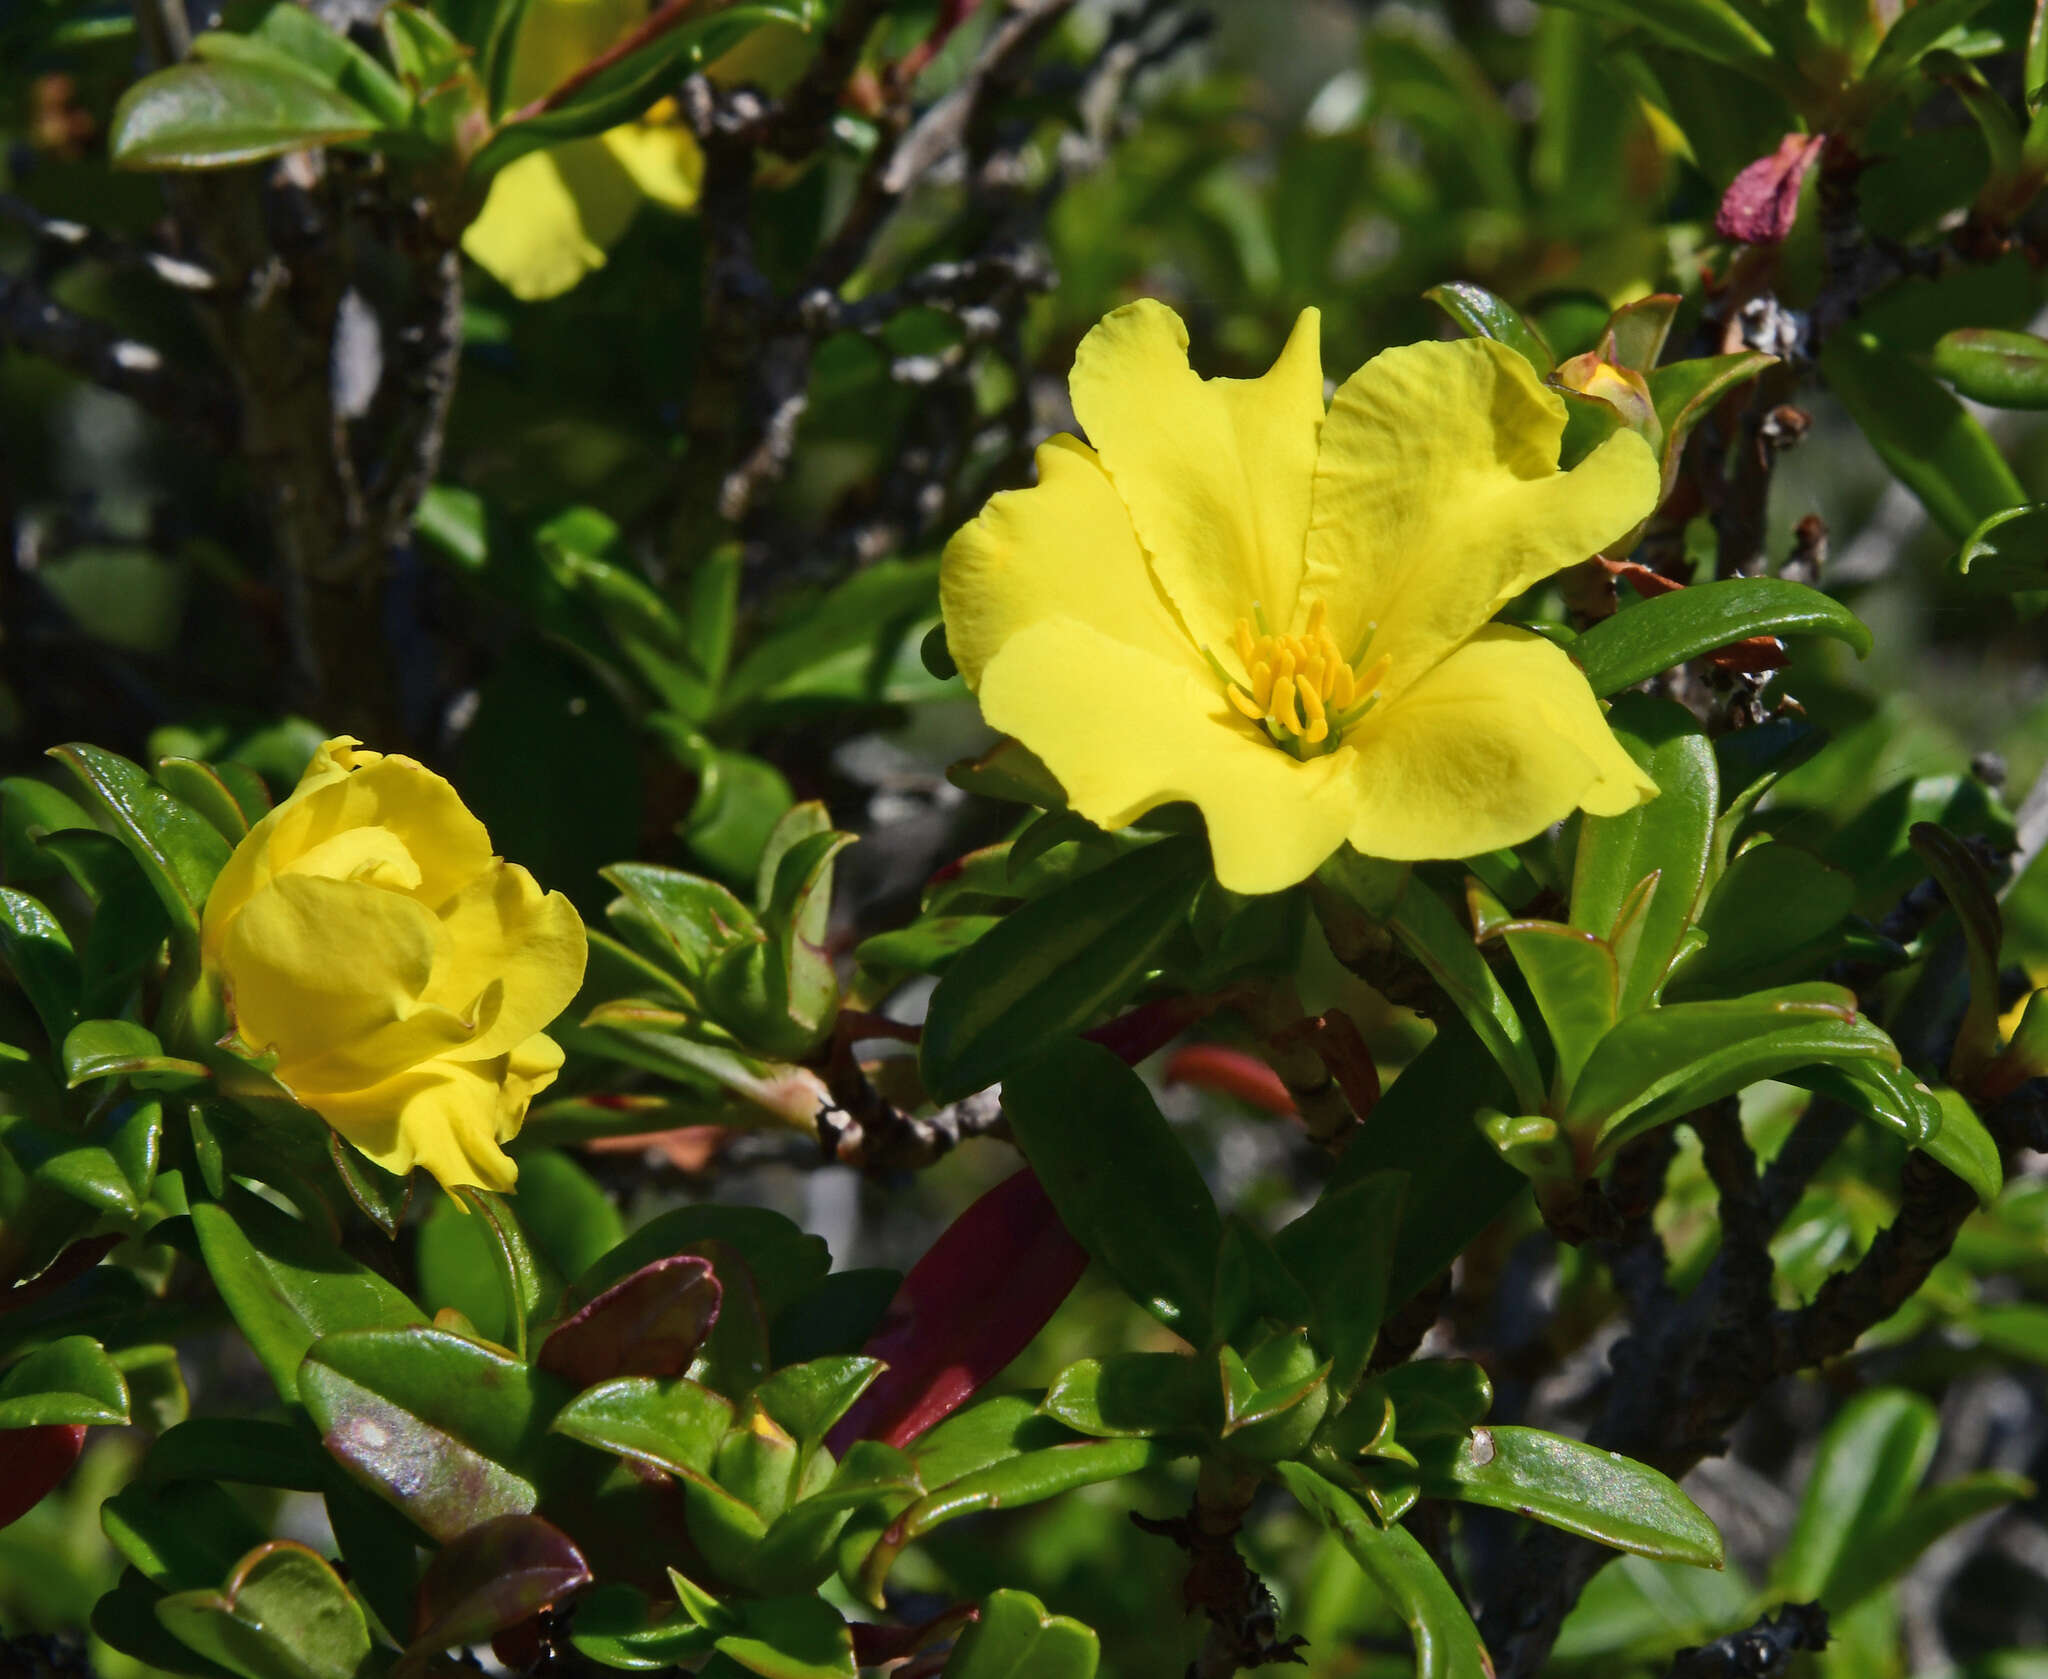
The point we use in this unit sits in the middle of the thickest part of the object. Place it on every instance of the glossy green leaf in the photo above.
(1993, 365)
(1028, 1479)
(1123, 1184)
(287, 1286)
(1484, 315)
(206, 116)
(673, 1425)
(29, 809)
(1343, 1250)
(282, 1614)
(1053, 966)
(1970, 895)
(101, 1049)
(1653, 1067)
(1015, 1637)
(1447, 1644)
(183, 1537)
(1132, 1394)
(203, 788)
(245, 1449)
(1596, 1494)
(1573, 977)
(522, 1278)
(69, 1380)
(298, 43)
(1443, 944)
(778, 995)
(1669, 837)
(38, 953)
(680, 920)
(791, 1638)
(807, 1399)
(1685, 392)
(926, 946)
(1765, 922)
(2008, 552)
(1653, 635)
(449, 1431)
(1870, 1462)
(1937, 449)
(178, 850)
(1966, 1148)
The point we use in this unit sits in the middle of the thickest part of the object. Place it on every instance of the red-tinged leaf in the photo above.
(1149, 1027)
(966, 1309)
(648, 1324)
(875, 1645)
(493, 1578)
(1232, 1072)
(1753, 653)
(67, 1267)
(1762, 202)
(32, 1462)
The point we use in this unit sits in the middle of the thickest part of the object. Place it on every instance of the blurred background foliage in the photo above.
(568, 637)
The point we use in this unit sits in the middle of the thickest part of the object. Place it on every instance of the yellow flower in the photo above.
(551, 215)
(401, 975)
(1282, 616)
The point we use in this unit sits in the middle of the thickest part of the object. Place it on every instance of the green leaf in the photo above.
(1054, 965)
(791, 1638)
(807, 1399)
(1878, 1558)
(522, 1278)
(1447, 1644)
(1668, 838)
(1124, 1186)
(178, 849)
(1714, 29)
(500, 1573)
(184, 1537)
(1655, 1066)
(1576, 985)
(1452, 1170)
(101, 1049)
(286, 1286)
(28, 810)
(1440, 941)
(1937, 449)
(1870, 1462)
(1914, 33)
(1484, 315)
(244, 1449)
(1964, 1146)
(283, 1614)
(1016, 1638)
(1970, 895)
(1017, 1481)
(203, 788)
(295, 42)
(1653, 635)
(1684, 393)
(673, 1425)
(682, 921)
(2008, 552)
(69, 1380)
(38, 953)
(1132, 1394)
(1343, 1250)
(1765, 922)
(450, 1432)
(927, 946)
(207, 116)
(1596, 1494)
(1994, 366)
(779, 995)
(786, 1262)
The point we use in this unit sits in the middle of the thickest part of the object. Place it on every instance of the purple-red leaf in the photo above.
(1762, 202)
(648, 1324)
(966, 1309)
(494, 1577)
(32, 1462)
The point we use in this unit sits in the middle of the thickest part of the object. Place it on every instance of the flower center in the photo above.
(1300, 688)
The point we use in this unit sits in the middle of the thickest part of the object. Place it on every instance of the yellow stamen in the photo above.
(1300, 687)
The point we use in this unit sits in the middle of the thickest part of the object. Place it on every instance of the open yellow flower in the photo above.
(552, 215)
(1281, 615)
(364, 935)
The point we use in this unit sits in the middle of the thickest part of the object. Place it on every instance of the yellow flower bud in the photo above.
(394, 973)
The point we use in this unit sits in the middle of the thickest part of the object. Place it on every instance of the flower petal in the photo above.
(331, 975)
(1125, 731)
(513, 959)
(450, 1117)
(1438, 499)
(1217, 473)
(1494, 744)
(430, 845)
(551, 216)
(1063, 548)
(663, 158)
